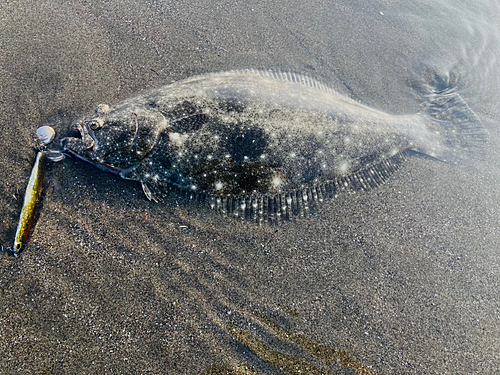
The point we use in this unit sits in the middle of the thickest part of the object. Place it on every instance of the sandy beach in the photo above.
(400, 279)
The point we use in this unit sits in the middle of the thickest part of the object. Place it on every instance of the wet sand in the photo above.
(401, 279)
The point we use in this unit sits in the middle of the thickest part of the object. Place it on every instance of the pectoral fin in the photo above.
(155, 191)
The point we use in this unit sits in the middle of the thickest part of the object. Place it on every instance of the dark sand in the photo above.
(402, 279)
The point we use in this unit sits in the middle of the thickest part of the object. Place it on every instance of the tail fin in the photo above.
(462, 131)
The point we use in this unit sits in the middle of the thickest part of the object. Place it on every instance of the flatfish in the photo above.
(266, 144)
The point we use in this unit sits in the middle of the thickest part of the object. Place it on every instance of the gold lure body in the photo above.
(31, 198)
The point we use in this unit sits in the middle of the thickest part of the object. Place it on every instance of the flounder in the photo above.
(265, 143)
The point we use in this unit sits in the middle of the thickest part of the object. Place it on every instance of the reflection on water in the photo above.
(466, 35)
(293, 364)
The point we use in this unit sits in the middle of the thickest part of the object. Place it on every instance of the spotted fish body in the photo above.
(262, 140)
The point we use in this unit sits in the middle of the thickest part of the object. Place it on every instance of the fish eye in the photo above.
(96, 124)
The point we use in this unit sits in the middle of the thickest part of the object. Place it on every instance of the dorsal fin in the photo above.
(298, 78)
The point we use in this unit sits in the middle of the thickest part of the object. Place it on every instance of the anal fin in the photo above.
(307, 201)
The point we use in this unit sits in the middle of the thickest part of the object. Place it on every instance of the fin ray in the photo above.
(462, 130)
(296, 78)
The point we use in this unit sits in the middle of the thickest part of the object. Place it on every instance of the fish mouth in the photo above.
(74, 132)
(81, 144)
(79, 139)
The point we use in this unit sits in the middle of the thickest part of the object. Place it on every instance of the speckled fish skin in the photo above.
(248, 133)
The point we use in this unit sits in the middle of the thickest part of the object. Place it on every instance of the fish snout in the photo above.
(79, 138)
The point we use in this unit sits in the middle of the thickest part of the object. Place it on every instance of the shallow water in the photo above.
(401, 279)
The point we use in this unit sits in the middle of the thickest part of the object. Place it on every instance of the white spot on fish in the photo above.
(177, 138)
(218, 185)
(276, 182)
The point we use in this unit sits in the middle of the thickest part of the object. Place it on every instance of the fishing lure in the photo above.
(31, 198)
(34, 189)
